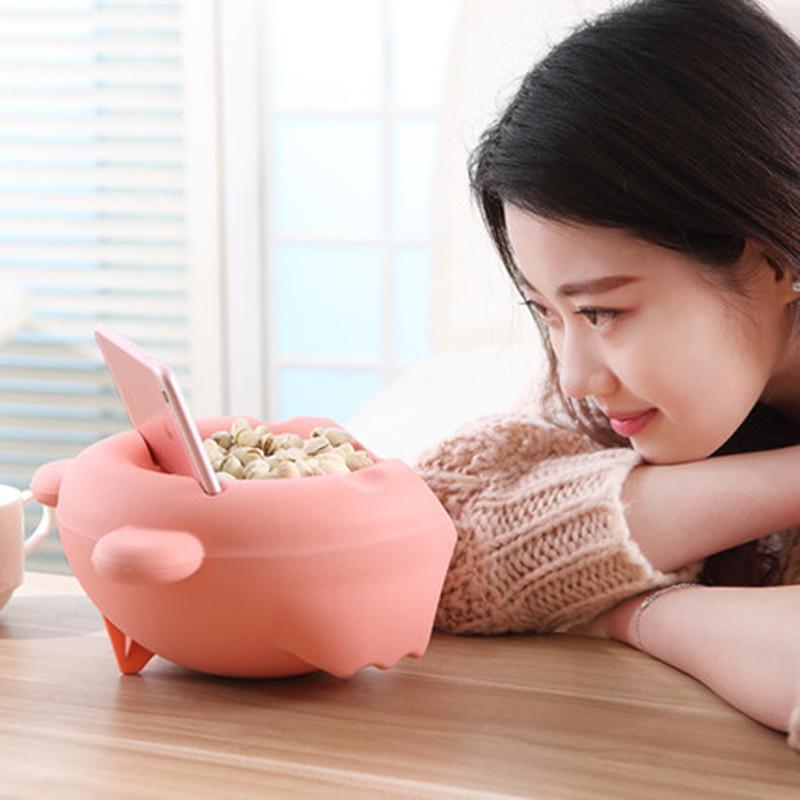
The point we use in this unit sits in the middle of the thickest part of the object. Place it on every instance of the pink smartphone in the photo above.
(156, 408)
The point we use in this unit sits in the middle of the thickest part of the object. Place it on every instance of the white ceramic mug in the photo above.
(13, 544)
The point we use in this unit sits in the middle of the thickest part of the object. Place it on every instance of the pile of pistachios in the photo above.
(246, 453)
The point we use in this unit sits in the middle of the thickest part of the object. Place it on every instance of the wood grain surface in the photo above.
(475, 717)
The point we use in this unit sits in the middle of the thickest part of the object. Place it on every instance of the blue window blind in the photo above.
(92, 218)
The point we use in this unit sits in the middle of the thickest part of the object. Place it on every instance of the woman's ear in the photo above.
(794, 286)
(784, 278)
(787, 287)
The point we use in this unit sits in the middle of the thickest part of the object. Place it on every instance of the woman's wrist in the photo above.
(649, 599)
(627, 621)
(618, 621)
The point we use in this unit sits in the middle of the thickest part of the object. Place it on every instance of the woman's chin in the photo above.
(651, 453)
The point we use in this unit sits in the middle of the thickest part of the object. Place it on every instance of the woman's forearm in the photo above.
(741, 642)
(680, 513)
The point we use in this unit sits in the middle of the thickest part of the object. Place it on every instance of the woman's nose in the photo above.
(583, 374)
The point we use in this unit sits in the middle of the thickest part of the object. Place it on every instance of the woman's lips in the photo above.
(632, 425)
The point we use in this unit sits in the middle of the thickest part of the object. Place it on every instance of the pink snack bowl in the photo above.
(269, 578)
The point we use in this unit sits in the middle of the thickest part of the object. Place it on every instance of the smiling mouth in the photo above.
(626, 416)
(630, 426)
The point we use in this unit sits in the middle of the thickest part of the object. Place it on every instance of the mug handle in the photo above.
(42, 529)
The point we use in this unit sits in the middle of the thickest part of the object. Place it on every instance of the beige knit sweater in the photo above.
(543, 544)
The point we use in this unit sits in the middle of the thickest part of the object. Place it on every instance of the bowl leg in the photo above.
(131, 656)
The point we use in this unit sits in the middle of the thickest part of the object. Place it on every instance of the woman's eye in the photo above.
(540, 311)
(594, 313)
(591, 314)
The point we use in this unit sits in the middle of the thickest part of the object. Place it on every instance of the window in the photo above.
(243, 188)
(349, 96)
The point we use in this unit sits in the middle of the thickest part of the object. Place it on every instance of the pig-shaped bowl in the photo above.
(269, 578)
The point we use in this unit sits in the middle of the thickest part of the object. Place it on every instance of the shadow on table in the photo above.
(49, 617)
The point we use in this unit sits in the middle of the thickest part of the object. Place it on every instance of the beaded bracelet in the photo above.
(649, 599)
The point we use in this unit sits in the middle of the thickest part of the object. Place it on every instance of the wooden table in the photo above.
(510, 716)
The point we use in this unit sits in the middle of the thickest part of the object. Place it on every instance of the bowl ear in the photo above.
(46, 481)
(134, 554)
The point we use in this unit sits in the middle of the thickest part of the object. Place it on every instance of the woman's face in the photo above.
(665, 340)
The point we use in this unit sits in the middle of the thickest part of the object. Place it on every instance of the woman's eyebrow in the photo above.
(595, 286)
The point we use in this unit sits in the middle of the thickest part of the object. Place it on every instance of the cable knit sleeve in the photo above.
(543, 544)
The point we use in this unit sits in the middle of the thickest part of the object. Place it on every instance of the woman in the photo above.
(643, 190)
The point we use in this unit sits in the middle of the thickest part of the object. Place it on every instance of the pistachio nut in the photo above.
(315, 445)
(358, 460)
(295, 440)
(213, 450)
(247, 454)
(308, 468)
(247, 438)
(267, 443)
(239, 424)
(293, 454)
(223, 439)
(256, 470)
(332, 464)
(282, 440)
(336, 436)
(287, 469)
(233, 466)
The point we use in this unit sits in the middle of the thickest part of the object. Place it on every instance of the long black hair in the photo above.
(676, 121)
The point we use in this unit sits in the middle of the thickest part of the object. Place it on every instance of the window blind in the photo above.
(92, 218)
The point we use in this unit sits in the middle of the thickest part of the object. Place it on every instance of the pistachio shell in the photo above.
(294, 454)
(239, 424)
(317, 444)
(308, 468)
(213, 450)
(247, 454)
(223, 439)
(332, 464)
(287, 469)
(233, 466)
(267, 443)
(358, 460)
(256, 470)
(336, 436)
(282, 441)
(247, 438)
